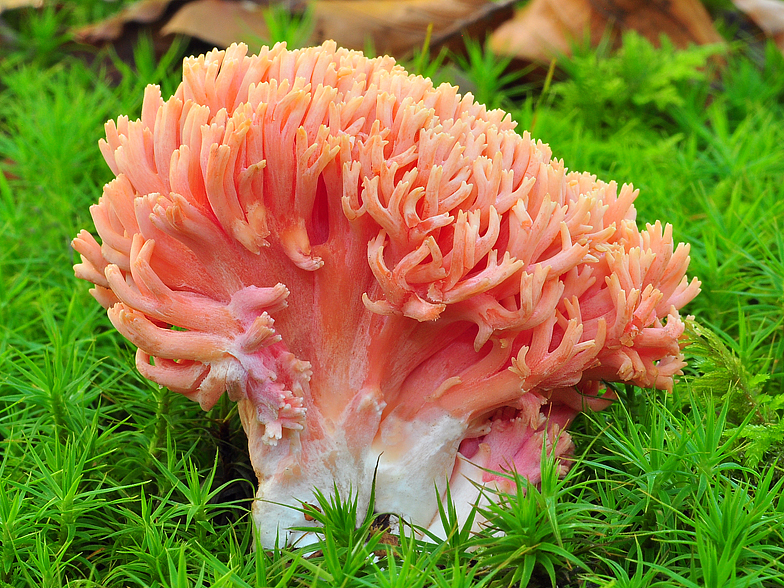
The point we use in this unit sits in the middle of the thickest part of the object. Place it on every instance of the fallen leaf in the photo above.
(220, 22)
(396, 27)
(110, 29)
(12, 4)
(546, 28)
(768, 15)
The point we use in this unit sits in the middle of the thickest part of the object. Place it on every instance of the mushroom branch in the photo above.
(383, 274)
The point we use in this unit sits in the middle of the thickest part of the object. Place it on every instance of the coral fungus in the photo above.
(382, 273)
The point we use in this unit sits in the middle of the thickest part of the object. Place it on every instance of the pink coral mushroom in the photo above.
(380, 272)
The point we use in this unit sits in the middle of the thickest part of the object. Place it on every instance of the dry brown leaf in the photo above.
(767, 15)
(110, 29)
(220, 22)
(398, 26)
(547, 28)
(12, 4)
(390, 26)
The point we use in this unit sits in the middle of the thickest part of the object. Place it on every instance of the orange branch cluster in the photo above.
(359, 258)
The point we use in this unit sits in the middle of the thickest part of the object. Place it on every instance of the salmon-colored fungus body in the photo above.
(382, 273)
